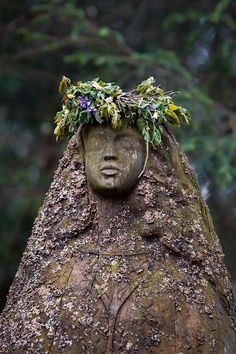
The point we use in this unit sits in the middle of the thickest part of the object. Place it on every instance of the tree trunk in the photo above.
(140, 274)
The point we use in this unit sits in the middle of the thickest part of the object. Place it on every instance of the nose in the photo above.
(110, 152)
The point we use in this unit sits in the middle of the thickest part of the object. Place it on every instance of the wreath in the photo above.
(96, 101)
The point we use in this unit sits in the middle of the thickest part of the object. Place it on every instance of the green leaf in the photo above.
(145, 85)
(156, 136)
(116, 122)
(146, 134)
(147, 109)
(173, 118)
(98, 118)
(141, 124)
(64, 84)
(84, 117)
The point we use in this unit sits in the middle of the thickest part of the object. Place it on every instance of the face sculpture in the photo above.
(114, 158)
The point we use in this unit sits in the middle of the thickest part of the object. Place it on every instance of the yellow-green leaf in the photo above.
(64, 84)
(173, 107)
(172, 118)
(70, 95)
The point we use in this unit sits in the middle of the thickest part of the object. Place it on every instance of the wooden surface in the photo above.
(144, 274)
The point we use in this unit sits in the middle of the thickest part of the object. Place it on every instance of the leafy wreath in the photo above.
(96, 101)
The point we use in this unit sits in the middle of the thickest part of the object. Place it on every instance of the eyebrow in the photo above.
(96, 133)
(121, 135)
(129, 134)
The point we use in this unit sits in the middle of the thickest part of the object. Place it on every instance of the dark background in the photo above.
(187, 46)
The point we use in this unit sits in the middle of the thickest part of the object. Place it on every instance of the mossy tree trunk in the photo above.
(143, 274)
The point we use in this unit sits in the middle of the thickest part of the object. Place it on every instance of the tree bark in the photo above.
(140, 274)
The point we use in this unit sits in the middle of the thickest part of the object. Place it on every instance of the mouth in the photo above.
(109, 170)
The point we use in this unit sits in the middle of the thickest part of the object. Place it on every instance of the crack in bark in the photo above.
(112, 321)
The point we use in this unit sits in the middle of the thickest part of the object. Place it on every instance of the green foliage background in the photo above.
(187, 47)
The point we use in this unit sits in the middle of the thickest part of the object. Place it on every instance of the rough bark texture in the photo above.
(143, 274)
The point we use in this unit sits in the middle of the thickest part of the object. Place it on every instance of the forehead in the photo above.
(109, 132)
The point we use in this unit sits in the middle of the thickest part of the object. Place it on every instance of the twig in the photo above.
(146, 159)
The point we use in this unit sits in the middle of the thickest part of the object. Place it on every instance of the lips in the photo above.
(109, 170)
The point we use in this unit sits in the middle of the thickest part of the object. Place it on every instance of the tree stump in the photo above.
(143, 273)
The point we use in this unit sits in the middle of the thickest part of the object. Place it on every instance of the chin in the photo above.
(113, 190)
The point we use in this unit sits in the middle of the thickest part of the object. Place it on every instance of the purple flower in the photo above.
(84, 102)
(91, 109)
(152, 107)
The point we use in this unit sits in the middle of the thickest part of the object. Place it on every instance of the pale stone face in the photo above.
(114, 158)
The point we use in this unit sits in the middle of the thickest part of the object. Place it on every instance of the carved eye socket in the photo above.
(122, 138)
(96, 141)
(128, 141)
(92, 142)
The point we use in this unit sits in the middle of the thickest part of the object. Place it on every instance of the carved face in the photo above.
(114, 158)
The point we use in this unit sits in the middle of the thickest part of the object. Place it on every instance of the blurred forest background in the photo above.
(187, 46)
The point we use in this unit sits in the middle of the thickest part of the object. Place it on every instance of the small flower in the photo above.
(98, 101)
(92, 109)
(109, 99)
(152, 107)
(70, 95)
(84, 102)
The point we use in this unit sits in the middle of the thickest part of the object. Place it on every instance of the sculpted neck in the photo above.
(111, 209)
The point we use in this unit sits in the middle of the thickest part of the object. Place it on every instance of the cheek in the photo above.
(137, 155)
(128, 154)
(133, 167)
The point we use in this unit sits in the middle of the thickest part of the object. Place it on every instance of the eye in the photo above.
(95, 142)
(123, 141)
(126, 137)
(121, 138)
